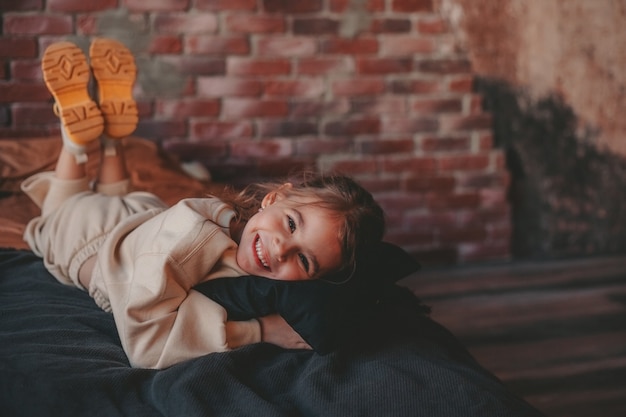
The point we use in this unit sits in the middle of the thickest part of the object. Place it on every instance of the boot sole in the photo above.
(114, 68)
(66, 74)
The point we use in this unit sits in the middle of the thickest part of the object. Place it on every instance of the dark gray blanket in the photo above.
(60, 356)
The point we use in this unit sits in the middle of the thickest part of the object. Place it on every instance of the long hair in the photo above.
(363, 220)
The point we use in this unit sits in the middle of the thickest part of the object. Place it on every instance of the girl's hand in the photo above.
(275, 330)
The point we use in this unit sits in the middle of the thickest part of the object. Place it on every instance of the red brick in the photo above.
(73, 6)
(498, 159)
(386, 146)
(363, 126)
(315, 26)
(228, 87)
(321, 66)
(437, 105)
(290, 6)
(384, 66)
(446, 144)
(399, 201)
(415, 86)
(379, 185)
(20, 5)
(196, 65)
(163, 44)
(251, 23)
(437, 184)
(349, 164)
(282, 168)
(33, 114)
(390, 26)
(371, 5)
(161, 129)
(185, 23)
(290, 128)
(286, 46)
(217, 45)
(485, 141)
(493, 217)
(444, 66)
(11, 92)
(379, 105)
(24, 70)
(275, 148)
(430, 221)
(313, 146)
(475, 104)
(319, 108)
(464, 162)
(493, 197)
(220, 130)
(413, 164)
(478, 121)
(224, 5)
(155, 5)
(301, 87)
(356, 87)
(248, 107)
(38, 24)
(258, 67)
(359, 46)
(432, 26)
(403, 125)
(404, 45)
(412, 5)
(87, 24)
(461, 84)
(438, 201)
(185, 108)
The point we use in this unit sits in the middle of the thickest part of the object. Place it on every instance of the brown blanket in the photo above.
(150, 169)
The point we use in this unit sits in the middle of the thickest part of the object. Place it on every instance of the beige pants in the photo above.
(75, 220)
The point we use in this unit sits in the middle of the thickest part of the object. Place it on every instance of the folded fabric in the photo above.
(327, 313)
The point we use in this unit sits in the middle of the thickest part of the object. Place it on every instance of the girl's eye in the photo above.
(292, 224)
(305, 262)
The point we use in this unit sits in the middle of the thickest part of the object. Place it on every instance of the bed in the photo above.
(60, 354)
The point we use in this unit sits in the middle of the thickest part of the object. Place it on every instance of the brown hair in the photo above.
(363, 219)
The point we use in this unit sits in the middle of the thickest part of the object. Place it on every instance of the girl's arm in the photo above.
(275, 330)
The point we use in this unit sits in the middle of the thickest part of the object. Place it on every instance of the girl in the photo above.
(140, 259)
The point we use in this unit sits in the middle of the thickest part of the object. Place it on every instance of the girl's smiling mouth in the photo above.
(260, 257)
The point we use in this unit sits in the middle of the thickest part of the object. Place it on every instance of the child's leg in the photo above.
(115, 72)
(114, 68)
(113, 178)
(66, 73)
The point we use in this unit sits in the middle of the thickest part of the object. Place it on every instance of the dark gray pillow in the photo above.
(324, 312)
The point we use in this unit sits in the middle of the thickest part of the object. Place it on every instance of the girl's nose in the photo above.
(282, 249)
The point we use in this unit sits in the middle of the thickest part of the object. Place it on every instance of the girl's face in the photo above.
(290, 240)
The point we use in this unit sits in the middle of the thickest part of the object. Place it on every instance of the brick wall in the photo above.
(258, 88)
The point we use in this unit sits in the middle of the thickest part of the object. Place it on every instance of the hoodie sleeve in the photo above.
(161, 320)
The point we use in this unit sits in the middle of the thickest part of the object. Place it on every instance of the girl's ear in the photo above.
(276, 195)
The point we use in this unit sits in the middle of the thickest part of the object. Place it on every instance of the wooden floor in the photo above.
(554, 332)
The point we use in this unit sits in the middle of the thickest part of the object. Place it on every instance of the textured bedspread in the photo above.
(60, 356)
